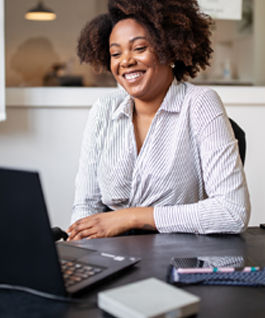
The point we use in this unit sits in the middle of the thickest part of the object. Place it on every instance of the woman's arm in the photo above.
(112, 223)
(87, 200)
(227, 208)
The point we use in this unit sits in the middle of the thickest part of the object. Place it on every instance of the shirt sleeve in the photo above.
(87, 200)
(227, 207)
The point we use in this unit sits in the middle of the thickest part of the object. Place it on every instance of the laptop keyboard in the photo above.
(75, 272)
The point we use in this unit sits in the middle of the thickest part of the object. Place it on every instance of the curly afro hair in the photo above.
(177, 30)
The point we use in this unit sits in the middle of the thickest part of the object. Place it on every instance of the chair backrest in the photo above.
(241, 137)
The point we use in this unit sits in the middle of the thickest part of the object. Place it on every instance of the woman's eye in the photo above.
(115, 54)
(140, 48)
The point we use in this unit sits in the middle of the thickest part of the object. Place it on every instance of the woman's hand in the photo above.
(100, 225)
(111, 223)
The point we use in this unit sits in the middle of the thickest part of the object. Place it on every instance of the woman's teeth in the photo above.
(131, 76)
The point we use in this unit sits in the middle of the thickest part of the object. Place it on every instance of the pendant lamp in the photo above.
(40, 13)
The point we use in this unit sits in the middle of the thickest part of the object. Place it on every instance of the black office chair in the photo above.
(241, 137)
(58, 234)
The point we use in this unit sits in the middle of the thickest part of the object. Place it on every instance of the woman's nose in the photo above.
(127, 60)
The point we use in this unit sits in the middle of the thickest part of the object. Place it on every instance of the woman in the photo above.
(160, 153)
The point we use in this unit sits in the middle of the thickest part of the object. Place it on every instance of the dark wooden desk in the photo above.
(155, 251)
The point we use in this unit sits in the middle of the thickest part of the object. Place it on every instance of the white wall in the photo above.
(48, 139)
(2, 65)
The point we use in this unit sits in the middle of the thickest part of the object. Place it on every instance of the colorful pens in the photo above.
(215, 269)
(250, 269)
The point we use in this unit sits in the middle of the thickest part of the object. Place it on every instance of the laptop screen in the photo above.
(28, 253)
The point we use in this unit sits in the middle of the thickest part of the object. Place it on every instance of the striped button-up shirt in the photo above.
(188, 167)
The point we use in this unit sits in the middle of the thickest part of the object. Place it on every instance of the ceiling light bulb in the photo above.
(40, 13)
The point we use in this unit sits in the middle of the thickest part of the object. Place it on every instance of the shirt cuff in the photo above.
(79, 214)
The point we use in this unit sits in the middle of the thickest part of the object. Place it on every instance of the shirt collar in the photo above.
(171, 103)
(125, 107)
(174, 97)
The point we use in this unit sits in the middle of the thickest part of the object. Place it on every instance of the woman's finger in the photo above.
(87, 233)
(83, 223)
(79, 229)
(80, 225)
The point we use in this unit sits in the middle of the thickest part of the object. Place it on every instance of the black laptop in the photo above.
(29, 256)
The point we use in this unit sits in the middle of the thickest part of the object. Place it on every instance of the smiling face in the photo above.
(134, 64)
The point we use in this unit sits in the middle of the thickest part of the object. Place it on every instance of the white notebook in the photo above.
(148, 298)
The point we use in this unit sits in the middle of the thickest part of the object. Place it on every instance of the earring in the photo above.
(172, 65)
